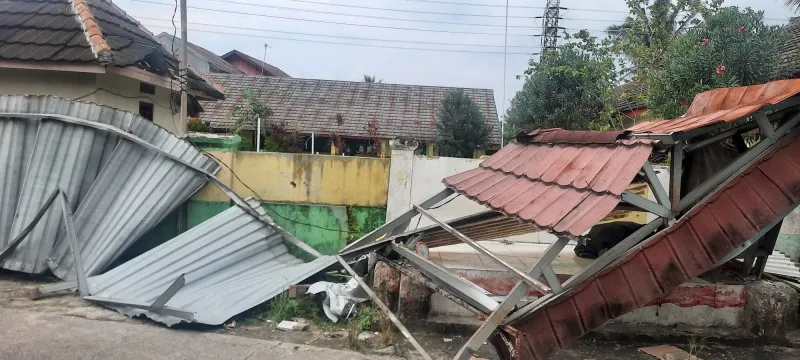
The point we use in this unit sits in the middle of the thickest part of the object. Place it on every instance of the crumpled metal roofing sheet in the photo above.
(723, 105)
(761, 195)
(232, 262)
(43, 153)
(559, 180)
(780, 264)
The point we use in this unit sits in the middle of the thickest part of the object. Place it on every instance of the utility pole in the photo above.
(265, 59)
(550, 26)
(183, 73)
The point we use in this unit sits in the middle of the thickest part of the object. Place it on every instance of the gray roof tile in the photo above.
(407, 111)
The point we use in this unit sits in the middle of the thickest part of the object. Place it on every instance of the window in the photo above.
(146, 88)
(146, 110)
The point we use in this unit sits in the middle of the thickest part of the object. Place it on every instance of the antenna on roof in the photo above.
(264, 62)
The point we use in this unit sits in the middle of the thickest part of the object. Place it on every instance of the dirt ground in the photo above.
(439, 342)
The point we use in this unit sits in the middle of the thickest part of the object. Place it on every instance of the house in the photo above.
(198, 57)
(91, 50)
(358, 112)
(631, 101)
(252, 66)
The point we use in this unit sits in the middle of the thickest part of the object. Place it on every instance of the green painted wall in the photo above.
(198, 211)
(326, 228)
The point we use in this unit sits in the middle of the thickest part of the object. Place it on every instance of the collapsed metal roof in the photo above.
(231, 263)
(121, 173)
(562, 181)
(723, 105)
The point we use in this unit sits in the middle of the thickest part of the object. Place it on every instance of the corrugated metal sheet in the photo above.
(780, 264)
(765, 192)
(232, 262)
(559, 180)
(723, 105)
(86, 163)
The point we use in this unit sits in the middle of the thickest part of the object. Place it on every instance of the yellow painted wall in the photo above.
(304, 178)
(84, 87)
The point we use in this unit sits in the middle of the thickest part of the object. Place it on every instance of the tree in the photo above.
(732, 47)
(793, 3)
(645, 35)
(371, 79)
(460, 127)
(278, 136)
(570, 87)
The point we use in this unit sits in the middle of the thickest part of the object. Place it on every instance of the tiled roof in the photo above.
(748, 203)
(214, 60)
(559, 180)
(631, 96)
(269, 69)
(61, 31)
(790, 51)
(723, 105)
(406, 111)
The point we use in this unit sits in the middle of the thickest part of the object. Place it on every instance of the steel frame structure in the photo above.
(668, 207)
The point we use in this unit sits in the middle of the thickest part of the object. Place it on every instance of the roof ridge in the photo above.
(281, 78)
(94, 35)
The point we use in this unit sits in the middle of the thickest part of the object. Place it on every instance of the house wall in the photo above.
(105, 89)
(324, 200)
(244, 66)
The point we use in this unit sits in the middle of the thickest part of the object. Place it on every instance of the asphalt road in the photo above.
(42, 336)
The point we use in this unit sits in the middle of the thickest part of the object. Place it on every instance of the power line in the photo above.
(340, 36)
(407, 10)
(314, 11)
(333, 22)
(351, 44)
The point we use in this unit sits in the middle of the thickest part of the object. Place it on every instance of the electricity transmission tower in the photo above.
(550, 26)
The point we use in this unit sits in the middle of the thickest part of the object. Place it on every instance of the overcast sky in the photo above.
(479, 29)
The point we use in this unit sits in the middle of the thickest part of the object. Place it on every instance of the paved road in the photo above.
(41, 336)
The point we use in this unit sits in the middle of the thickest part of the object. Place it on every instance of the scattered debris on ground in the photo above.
(668, 352)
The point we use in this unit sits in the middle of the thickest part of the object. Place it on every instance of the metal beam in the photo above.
(609, 257)
(387, 229)
(474, 295)
(170, 292)
(49, 289)
(478, 247)
(69, 223)
(385, 309)
(655, 184)
(764, 125)
(178, 313)
(721, 136)
(27, 230)
(676, 174)
(645, 204)
(514, 296)
(737, 165)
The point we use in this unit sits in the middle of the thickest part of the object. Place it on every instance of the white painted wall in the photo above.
(74, 85)
(415, 178)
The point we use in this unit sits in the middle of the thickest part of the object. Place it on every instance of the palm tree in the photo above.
(794, 4)
(371, 79)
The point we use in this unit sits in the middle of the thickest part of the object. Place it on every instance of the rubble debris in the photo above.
(340, 301)
(366, 335)
(668, 352)
(287, 325)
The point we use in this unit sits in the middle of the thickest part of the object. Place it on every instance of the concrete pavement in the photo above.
(42, 336)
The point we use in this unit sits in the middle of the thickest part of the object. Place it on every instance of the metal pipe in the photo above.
(385, 309)
(258, 135)
(69, 223)
(533, 282)
(12, 245)
(313, 151)
(183, 72)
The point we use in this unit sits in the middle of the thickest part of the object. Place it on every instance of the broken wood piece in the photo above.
(668, 352)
